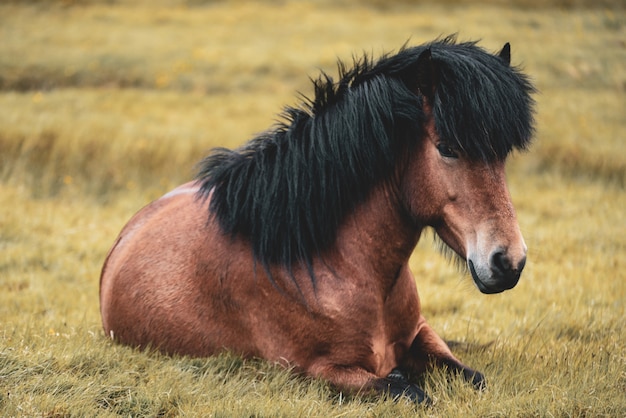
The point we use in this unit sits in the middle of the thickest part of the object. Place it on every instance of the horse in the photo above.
(294, 248)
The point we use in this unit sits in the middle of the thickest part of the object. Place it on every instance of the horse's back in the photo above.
(156, 285)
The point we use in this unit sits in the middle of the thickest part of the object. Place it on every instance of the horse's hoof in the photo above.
(398, 386)
(477, 379)
(417, 395)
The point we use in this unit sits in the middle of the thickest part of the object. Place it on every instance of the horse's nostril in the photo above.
(506, 271)
(500, 263)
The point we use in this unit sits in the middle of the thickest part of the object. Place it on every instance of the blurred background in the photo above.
(100, 95)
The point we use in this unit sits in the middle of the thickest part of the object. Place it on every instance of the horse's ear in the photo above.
(425, 73)
(505, 54)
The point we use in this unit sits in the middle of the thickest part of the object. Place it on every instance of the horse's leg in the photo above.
(429, 348)
(357, 380)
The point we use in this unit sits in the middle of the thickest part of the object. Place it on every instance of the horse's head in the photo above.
(470, 208)
(464, 197)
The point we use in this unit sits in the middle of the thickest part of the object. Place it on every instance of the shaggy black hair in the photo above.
(289, 189)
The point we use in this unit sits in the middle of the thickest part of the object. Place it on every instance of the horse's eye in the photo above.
(446, 151)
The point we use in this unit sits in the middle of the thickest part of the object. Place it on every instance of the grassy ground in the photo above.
(106, 105)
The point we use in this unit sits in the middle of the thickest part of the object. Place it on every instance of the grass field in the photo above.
(105, 105)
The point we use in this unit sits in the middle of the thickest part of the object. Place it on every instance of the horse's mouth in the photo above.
(488, 290)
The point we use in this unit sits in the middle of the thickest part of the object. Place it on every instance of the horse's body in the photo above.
(243, 259)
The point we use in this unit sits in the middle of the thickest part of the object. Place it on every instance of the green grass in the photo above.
(105, 106)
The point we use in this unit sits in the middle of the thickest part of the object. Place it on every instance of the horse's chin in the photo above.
(482, 286)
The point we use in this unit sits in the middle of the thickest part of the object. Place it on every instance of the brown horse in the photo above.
(295, 247)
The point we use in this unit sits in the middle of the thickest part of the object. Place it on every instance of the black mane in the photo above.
(288, 189)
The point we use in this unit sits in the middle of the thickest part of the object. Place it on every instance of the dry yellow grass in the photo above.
(106, 106)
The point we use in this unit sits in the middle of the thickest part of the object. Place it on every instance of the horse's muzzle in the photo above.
(504, 273)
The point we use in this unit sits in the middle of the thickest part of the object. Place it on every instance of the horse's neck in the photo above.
(379, 235)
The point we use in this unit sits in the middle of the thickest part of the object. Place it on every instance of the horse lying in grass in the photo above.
(294, 248)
